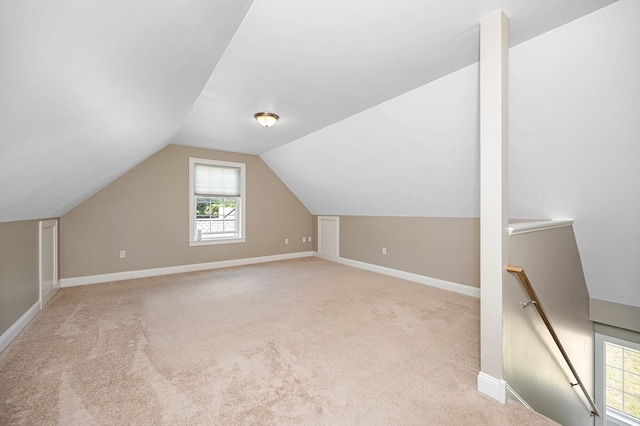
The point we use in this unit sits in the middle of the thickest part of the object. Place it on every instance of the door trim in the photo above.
(45, 297)
(335, 219)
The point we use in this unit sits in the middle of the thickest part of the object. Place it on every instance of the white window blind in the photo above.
(216, 181)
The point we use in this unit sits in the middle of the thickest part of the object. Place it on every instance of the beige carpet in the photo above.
(296, 342)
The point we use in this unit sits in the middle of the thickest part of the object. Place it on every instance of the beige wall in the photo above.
(146, 213)
(443, 248)
(533, 365)
(19, 284)
(620, 333)
(616, 314)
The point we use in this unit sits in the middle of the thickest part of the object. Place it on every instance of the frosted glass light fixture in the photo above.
(266, 119)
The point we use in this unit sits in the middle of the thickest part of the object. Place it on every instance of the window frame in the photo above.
(608, 417)
(241, 205)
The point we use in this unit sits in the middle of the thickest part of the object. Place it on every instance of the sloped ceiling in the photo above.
(88, 89)
(574, 147)
(378, 103)
(415, 155)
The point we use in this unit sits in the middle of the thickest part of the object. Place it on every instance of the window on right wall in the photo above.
(617, 381)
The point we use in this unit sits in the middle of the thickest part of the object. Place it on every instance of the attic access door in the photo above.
(49, 283)
(329, 236)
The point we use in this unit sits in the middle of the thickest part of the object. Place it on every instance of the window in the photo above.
(617, 381)
(216, 202)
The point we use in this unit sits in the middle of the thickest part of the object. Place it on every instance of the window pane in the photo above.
(632, 383)
(632, 405)
(632, 360)
(614, 399)
(614, 377)
(216, 217)
(614, 355)
(622, 381)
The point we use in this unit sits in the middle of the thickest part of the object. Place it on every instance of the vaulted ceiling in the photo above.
(378, 102)
(88, 89)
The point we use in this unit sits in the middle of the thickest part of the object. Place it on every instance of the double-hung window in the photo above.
(617, 381)
(216, 202)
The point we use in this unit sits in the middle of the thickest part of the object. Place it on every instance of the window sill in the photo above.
(620, 419)
(217, 241)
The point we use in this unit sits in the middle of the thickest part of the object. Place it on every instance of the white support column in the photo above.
(494, 234)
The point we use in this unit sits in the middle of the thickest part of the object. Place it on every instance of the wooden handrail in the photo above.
(536, 302)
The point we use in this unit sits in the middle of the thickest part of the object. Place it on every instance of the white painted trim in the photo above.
(599, 380)
(542, 225)
(327, 257)
(45, 298)
(516, 397)
(242, 208)
(233, 240)
(409, 276)
(127, 275)
(490, 386)
(494, 186)
(15, 329)
(335, 219)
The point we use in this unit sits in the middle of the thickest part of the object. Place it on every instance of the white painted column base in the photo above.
(490, 386)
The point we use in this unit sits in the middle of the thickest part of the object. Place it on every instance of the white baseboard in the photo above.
(409, 276)
(15, 329)
(490, 386)
(143, 273)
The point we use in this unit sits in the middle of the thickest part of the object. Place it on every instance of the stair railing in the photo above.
(533, 300)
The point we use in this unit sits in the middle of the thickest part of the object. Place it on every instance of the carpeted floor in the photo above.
(304, 341)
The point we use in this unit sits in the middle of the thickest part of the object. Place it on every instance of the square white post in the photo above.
(494, 202)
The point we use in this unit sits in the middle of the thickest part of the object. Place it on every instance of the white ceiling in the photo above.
(574, 132)
(315, 63)
(88, 89)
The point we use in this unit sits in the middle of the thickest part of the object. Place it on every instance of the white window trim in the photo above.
(608, 417)
(243, 202)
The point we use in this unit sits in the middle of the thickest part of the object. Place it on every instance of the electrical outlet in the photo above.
(384, 250)
(304, 239)
(123, 254)
(286, 241)
(309, 239)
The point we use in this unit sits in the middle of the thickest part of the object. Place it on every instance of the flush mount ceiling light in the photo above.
(266, 119)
